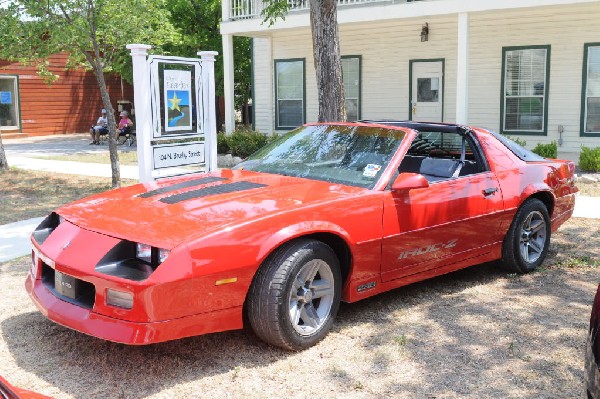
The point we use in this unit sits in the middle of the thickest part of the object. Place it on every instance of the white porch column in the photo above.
(229, 81)
(142, 107)
(462, 70)
(208, 97)
(225, 7)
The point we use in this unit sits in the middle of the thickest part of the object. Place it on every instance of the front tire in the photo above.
(295, 295)
(528, 238)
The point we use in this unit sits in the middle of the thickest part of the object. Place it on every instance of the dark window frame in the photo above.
(278, 126)
(544, 131)
(584, 83)
(18, 127)
(359, 57)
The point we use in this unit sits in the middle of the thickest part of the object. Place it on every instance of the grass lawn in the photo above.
(125, 157)
(27, 194)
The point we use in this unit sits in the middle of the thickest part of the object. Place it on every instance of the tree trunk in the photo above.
(326, 50)
(112, 124)
(3, 160)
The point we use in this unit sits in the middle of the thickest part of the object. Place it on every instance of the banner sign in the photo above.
(178, 93)
(174, 155)
(5, 97)
(177, 102)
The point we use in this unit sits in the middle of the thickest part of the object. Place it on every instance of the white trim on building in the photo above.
(468, 35)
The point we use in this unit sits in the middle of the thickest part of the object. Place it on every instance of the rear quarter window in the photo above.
(521, 152)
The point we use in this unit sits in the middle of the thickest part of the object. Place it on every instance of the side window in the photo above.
(289, 94)
(590, 105)
(442, 156)
(351, 68)
(525, 79)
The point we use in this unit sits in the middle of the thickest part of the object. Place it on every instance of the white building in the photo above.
(527, 68)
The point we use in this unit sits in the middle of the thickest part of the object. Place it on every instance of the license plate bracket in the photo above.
(65, 285)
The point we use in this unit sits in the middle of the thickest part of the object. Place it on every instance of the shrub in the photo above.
(244, 142)
(546, 150)
(589, 159)
(222, 145)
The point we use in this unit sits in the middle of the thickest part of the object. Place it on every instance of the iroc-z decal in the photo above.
(367, 286)
(427, 249)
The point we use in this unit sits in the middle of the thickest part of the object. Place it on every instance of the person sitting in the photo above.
(125, 124)
(99, 128)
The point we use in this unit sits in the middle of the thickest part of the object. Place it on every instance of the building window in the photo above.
(9, 104)
(590, 106)
(289, 93)
(351, 69)
(525, 76)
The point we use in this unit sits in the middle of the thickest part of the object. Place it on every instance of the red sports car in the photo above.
(327, 213)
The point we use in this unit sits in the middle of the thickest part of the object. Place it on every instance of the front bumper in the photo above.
(126, 332)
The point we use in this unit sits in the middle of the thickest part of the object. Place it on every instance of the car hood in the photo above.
(168, 212)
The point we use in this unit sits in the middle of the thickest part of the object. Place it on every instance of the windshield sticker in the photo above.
(371, 170)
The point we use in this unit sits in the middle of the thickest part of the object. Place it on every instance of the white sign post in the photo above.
(143, 113)
(175, 112)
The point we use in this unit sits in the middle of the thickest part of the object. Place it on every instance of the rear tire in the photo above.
(295, 295)
(526, 243)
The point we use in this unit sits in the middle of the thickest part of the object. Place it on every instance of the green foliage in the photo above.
(197, 23)
(546, 150)
(275, 9)
(244, 142)
(517, 140)
(589, 159)
(222, 145)
(93, 32)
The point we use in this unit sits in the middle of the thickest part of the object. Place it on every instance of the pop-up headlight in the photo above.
(151, 255)
(132, 261)
(44, 229)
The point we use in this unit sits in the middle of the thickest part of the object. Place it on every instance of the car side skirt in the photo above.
(353, 293)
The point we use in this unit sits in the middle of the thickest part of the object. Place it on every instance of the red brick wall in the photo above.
(70, 105)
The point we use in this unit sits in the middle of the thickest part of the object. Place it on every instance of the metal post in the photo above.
(143, 110)
(208, 96)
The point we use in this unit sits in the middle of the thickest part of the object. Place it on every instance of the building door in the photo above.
(427, 90)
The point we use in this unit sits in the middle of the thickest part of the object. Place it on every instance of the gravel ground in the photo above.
(476, 333)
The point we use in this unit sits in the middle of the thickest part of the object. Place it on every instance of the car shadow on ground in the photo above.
(478, 332)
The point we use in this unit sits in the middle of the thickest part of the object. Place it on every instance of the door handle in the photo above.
(489, 191)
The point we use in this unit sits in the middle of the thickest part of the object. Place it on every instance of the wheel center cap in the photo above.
(307, 296)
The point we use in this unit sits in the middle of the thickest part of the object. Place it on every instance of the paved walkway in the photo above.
(14, 237)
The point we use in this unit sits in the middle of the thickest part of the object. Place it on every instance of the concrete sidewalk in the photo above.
(14, 238)
(71, 167)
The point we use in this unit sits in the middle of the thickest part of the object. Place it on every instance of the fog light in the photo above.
(119, 299)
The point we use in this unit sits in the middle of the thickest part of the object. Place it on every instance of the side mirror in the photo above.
(409, 181)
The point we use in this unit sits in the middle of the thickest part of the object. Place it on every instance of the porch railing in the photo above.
(244, 9)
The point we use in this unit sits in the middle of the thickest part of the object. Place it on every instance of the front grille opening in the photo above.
(71, 289)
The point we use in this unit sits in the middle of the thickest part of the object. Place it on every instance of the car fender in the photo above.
(297, 230)
(536, 189)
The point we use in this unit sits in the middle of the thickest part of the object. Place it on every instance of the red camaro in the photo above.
(327, 213)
